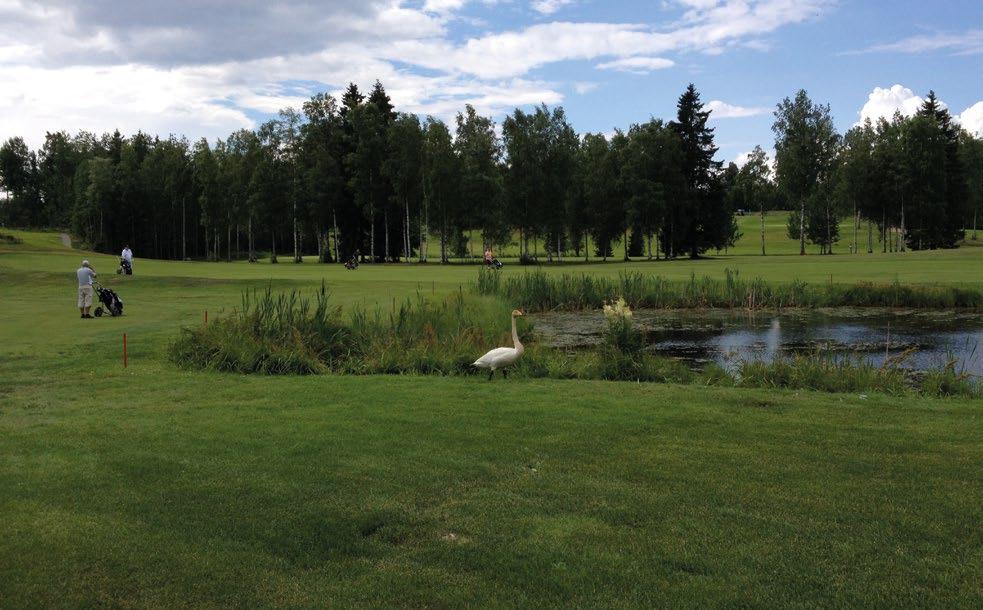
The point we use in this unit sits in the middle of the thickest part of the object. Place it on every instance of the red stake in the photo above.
(124, 350)
(206, 316)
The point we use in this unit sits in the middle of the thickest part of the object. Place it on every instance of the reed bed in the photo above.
(289, 333)
(541, 291)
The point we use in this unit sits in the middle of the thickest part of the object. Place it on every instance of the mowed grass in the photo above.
(155, 486)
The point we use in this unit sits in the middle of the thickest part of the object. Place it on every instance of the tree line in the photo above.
(354, 177)
(917, 179)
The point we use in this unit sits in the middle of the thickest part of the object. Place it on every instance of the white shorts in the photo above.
(85, 296)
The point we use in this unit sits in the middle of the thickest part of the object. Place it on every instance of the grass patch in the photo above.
(542, 291)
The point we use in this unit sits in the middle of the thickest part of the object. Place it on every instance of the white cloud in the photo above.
(723, 110)
(548, 7)
(128, 98)
(187, 67)
(972, 119)
(443, 6)
(637, 65)
(966, 43)
(585, 87)
(883, 103)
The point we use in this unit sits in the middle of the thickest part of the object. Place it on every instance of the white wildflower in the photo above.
(617, 311)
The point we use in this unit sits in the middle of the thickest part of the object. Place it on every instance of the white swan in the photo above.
(502, 357)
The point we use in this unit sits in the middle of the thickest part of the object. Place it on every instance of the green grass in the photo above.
(156, 486)
(777, 241)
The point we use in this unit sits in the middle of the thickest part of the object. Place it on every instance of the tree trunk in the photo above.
(208, 247)
(884, 231)
(249, 238)
(586, 246)
(626, 245)
(974, 225)
(238, 250)
(296, 245)
(406, 231)
(901, 244)
(228, 242)
(870, 237)
(802, 227)
(334, 221)
(385, 228)
(273, 249)
(559, 244)
(648, 238)
(829, 232)
(184, 234)
(762, 227)
(856, 229)
(423, 230)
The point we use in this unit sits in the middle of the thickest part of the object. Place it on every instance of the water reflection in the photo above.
(929, 339)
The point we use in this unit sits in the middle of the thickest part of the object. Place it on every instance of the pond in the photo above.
(929, 339)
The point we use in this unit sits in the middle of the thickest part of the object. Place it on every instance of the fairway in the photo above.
(157, 486)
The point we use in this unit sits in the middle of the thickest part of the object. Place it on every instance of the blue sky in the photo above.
(207, 67)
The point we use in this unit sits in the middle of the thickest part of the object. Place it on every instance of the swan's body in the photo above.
(502, 357)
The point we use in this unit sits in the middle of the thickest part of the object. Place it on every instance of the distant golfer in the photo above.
(85, 275)
(126, 261)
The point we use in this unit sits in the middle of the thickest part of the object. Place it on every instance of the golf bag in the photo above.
(109, 298)
(124, 267)
(494, 264)
(352, 264)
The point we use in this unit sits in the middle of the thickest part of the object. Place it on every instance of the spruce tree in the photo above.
(703, 218)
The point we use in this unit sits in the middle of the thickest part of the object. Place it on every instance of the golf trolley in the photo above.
(109, 298)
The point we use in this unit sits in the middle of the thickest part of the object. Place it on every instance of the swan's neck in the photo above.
(515, 337)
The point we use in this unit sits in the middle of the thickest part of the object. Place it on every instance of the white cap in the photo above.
(85, 263)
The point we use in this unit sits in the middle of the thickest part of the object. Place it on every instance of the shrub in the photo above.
(822, 371)
(948, 382)
(620, 334)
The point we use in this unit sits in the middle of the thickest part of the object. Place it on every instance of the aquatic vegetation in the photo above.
(291, 334)
(541, 291)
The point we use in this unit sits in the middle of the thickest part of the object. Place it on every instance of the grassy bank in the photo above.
(541, 291)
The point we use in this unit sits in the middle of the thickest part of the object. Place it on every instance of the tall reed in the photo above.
(541, 291)
(269, 333)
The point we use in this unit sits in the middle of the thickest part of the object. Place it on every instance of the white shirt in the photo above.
(127, 255)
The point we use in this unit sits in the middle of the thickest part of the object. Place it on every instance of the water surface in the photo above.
(928, 339)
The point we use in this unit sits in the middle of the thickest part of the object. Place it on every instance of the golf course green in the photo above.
(158, 486)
